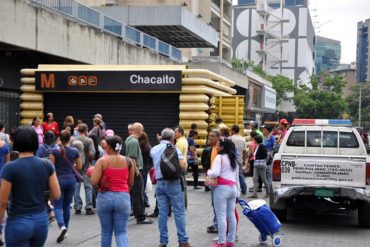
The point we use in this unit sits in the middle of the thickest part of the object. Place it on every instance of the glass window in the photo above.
(296, 139)
(313, 138)
(330, 139)
(348, 140)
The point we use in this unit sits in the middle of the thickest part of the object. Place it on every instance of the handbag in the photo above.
(260, 163)
(211, 182)
(47, 189)
(148, 186)
(152, 175)
(79, 177)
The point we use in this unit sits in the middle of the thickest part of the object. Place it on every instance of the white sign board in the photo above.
(270, 99)
(305, 171)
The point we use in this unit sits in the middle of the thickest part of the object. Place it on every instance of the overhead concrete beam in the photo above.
(33, 28)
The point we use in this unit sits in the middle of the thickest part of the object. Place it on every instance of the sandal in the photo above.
(212, 229)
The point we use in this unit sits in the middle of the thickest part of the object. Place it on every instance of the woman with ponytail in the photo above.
(114, 174)
(64, 159)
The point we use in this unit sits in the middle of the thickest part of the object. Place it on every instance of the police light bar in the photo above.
(323, 122)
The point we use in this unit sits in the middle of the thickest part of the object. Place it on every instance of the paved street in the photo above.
(303, 229)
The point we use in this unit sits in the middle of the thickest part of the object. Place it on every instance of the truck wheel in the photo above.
(364, 214)
(280, 209)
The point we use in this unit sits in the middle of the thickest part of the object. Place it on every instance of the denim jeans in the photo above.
(113, 209)
(243, 185)
(269, 176)
(62, 208)
(27, 230)
(169, 192)
(88, 194)
(224, 201)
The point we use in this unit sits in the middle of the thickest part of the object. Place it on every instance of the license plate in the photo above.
(324, 193)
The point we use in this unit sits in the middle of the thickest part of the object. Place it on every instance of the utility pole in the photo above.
(359, 105)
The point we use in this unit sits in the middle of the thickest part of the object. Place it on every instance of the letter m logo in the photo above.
(47, 80)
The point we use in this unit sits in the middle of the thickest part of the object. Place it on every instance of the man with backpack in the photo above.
(87, 156)
(169, 163)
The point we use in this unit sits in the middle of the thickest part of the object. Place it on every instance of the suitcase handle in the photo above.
(244, 204)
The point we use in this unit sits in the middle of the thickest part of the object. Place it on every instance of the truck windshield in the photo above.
(329, 139)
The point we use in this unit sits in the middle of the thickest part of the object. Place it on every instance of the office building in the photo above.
(362, 55)
(328, 53)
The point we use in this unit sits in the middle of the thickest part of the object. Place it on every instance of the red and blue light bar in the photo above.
(323, 122)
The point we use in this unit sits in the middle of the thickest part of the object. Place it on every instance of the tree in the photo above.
(323, 99)
(283, 87)
(365, 101)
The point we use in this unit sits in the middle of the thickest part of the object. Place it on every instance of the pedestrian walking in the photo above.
(44, 151)
(86, 158)
(145, 148)
(98, 129)
(132, 150)
(65, 159)
(114, 174)
(260, 166)
(269, 142)
(169, 192)
(4, 136)
(241, 147)
(50, 124)
(4, 158)
(36, 125)
(192, 157)
(213, 138)
(226, 170)
(24, 182)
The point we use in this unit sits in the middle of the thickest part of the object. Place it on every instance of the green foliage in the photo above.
(365, 101)
(323, 99)
(283, 86)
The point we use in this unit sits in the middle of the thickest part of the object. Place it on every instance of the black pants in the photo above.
(195, 169)
(137, 195)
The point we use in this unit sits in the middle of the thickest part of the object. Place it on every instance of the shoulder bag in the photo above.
(79, 177)
(211, 182)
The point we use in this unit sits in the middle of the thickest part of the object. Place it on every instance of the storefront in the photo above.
(157, 96)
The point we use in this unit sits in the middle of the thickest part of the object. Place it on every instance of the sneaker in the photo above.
(153, 215)
(212, 229)
(89, 211)
(77, 211)
(145, 222)
(147, 205)
(197, 188)
(254, 195)
(1, 241)
(62, 234)
(51, 219)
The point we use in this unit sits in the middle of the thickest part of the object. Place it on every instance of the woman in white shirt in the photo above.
(226, 170)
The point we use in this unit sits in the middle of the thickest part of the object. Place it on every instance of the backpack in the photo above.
(170, 165)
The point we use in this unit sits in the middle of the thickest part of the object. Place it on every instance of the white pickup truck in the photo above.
(322, 165)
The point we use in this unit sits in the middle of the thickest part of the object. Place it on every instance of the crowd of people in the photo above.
(46, 166)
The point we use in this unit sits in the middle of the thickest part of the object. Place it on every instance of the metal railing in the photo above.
(89, 16)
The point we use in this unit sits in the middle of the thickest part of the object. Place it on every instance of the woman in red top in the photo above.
(49, 124)
(115, 175)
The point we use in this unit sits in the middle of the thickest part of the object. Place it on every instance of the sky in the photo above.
(339, 21)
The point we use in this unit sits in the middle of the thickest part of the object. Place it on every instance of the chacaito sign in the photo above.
(86, 81)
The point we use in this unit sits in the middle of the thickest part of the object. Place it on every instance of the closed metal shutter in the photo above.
(9, 109)
(154, 111)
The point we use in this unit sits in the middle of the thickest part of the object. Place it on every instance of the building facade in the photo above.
(282, 40)
(349, 75)
(362, 55)
(328, 53)
(214, 13)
